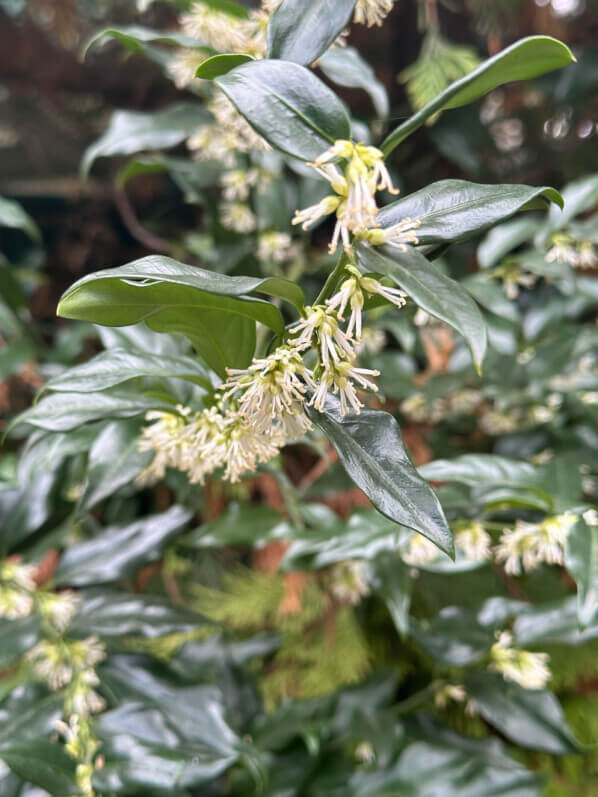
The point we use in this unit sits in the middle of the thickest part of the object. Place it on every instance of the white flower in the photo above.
(529, 544)
(474, 541)
(309, 216)
(450, 692)
(274, 247)
(372, 340)
(464, 402)
(587, 256)
(590, 517)
(365, 753)
(244, 448)
(562, 251)
(589, 397)
(339, 377)
(350, 293)
(321, 329)
(270, 391)
(215, 28)
(227, 137)
(83, 699)
(184, 65)
(499, 422)
(529, 670)
(393, 295)
(397, 236)
(348, 582)
(163, 437)
(421, 551)
(237, 183)
(17, 588)
(372, 12)
(238, 217)
(59, 608)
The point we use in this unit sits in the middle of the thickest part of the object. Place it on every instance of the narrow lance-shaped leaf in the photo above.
(288, 105)
(115, 366)
(136, 37)
(582, 562)
(301, 30)
(12, 215)
(371, 449)
(523, 60)
(454, 210)
(433, 291)
(345, 67)
(220, 64)
(135, 131)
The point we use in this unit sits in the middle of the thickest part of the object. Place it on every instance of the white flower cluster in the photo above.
(578, 254)
(348, 582)
(529, 670)
(68, 662)
(17, 587)
(372, 12)
(471, 539)
(421, 409)
(529, 544)
(355, 185)
(257, 409)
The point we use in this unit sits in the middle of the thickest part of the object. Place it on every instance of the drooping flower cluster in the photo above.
(528, 669)
(348, 582)
(363, 173)
(530, 544)
(578, 254)
(17, 585)
(372, 12)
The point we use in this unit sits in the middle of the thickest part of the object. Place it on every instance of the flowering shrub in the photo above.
(298, 643)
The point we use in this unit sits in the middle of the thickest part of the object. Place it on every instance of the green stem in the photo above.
(332, 279)
(418, 699)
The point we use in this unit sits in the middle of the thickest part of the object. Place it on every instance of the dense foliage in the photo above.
(222, 572)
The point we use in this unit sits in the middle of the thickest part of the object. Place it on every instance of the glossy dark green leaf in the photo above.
(454, 210)
(431, 290)
(220, 64)
(301, 30)
(453, 638)
(135, 131)
(111, 614)
(115, 366)
(530, 718)
(210, 309)
(523, 60)
(345, 67)
(61, 412)
(12, 215)
(491, 295)
(120, 550)
(555, 623)
(288, 105)
(114, 461)
(579, 196)
(582, 562)
(16, 638)
(371, 449)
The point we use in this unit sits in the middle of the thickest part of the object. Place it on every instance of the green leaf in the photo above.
(392, 581)
(301, 30)
(371, 449)
(16, 638)
(288, 105)
(433, 291)
(12, 215)
(135, 131)
(523, 60)
(328, 539)
(483, 469)
(114, 461)
(454, 210)
(135, 37)
(210, 309)
(578, 196)
(61, 412)
(582, 562)
(530, 718)
(117, 614)
(454, 638)
(44, 763)
(503, 239)
(240, 524)
(220, 64)
(115, 366)
(119, 551)
(345, 67)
